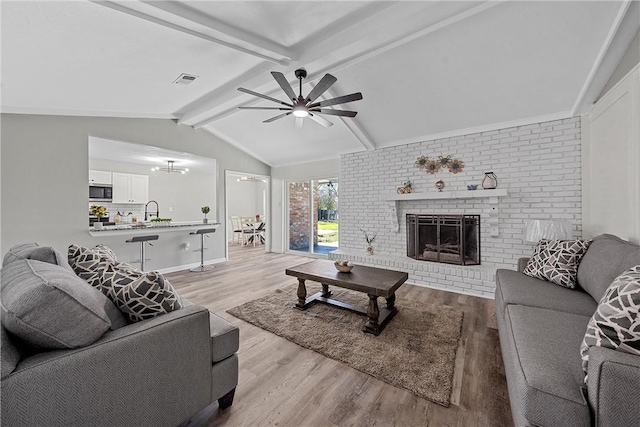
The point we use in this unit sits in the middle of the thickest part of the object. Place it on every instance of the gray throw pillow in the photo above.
(615, 324)
(557, 261)
(36, 252)
(49, 307)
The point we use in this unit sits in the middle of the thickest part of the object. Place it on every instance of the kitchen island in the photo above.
(176, 249)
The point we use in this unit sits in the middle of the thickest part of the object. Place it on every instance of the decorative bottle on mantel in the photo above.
(490, 181)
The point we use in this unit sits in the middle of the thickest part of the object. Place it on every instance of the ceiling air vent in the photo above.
(185, 79)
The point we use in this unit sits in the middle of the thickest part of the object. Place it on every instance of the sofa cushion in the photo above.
(225, 338)
(513, 287)
(547, 381)
(138, 295)
(607, 257)
(10, 354)
(557, 261)
(616, 322)
(48, 306)
(36, 252)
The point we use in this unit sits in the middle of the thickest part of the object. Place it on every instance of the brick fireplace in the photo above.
(537, 164)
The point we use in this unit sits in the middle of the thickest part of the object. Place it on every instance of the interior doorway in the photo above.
(247, 199)
(313, 216)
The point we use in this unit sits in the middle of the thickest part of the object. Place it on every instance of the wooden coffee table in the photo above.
(375, 282)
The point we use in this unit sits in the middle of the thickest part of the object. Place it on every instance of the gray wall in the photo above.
(44, 176)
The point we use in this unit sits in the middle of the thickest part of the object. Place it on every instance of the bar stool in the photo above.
(202, 232)
(142, 240)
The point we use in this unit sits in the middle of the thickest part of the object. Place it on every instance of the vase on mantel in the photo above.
(369, 250)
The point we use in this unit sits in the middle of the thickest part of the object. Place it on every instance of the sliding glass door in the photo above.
(313, 216)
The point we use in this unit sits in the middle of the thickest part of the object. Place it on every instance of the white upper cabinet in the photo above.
(130, 188)
(99, 177)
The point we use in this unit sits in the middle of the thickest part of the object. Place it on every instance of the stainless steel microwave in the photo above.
(100, 193)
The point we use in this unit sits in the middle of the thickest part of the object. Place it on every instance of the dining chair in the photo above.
(249, 231)
(236, 224)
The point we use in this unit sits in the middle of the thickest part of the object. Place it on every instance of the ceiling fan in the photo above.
(301, 106)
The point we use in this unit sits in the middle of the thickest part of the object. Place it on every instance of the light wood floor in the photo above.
(284, 384)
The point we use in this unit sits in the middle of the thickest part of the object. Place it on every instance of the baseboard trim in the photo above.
(455, 291)
(192, 265)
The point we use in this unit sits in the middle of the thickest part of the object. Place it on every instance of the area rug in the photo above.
(415, 351)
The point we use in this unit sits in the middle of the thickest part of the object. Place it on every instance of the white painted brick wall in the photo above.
(538, 164)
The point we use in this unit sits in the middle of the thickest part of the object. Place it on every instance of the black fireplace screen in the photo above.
(451, 239)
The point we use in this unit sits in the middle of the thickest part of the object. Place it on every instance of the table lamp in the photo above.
(538, 229)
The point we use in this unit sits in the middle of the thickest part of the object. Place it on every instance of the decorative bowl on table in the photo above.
(471, 187)
(343, 266)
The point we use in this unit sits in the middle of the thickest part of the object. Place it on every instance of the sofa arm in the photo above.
(522, 263)
(613, 385)
(152, 373)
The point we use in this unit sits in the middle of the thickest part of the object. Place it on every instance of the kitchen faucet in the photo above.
(148, 214)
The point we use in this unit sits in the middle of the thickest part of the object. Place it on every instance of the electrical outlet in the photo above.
(170, 209)
(187, 246)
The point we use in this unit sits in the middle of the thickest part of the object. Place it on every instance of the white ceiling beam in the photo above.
(600, 57)
(256, 43)
(351, 123)
(235, 46)
(332, 43)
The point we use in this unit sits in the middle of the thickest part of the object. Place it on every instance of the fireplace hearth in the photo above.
(450, 239)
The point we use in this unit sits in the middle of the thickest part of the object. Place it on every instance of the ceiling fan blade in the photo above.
(259, 95)
(264, 108)
(284, 84)
(344, 113)
(276, 117)
(324, 122)
(339, 100)
(299, 122)
(325, 83)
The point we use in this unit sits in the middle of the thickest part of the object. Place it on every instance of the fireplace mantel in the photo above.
(492, 195)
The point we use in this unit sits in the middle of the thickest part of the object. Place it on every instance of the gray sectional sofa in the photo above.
(541, 327)
(155, 372)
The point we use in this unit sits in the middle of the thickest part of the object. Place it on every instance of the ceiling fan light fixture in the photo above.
(300, 111)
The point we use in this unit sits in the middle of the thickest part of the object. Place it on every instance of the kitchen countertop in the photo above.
(128, 229)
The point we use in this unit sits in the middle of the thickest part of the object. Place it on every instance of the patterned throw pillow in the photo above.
(138, 295)
(616, 322)
(557, 261)
(87, 263)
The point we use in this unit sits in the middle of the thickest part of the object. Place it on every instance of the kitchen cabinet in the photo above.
(130, 188)
(99, 177)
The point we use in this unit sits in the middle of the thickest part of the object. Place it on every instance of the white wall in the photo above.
(611, 162)
(45, 166)
(279, 176)
(630, 59)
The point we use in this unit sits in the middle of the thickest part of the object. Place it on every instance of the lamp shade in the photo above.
(538, 229)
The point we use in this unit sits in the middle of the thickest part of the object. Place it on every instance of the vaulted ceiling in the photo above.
(426, 69)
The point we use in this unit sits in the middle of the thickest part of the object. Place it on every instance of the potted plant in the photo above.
(369, 241)
(98, 211)
(205, 210)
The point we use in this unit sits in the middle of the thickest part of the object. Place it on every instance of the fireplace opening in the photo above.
(450, 239)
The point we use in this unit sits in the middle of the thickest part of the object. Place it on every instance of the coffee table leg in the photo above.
(326, 293)
(302, 294)
(373, 313)
(391, 301)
